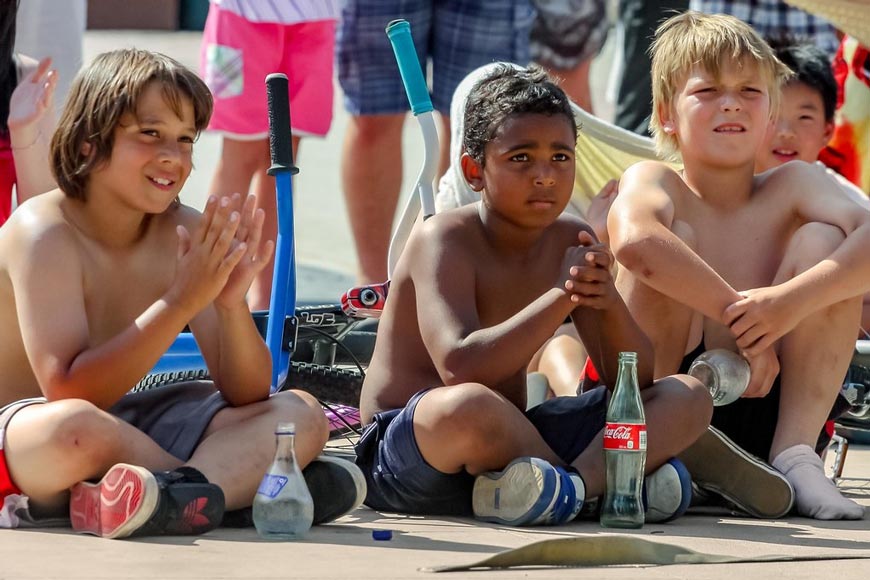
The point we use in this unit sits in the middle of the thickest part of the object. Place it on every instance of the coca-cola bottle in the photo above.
(624, 450)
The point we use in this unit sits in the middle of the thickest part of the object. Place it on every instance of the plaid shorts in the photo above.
(456, 36)
(773, 18)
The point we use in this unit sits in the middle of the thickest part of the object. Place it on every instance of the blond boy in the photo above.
(715, 256)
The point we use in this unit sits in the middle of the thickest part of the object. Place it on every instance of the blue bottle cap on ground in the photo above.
(382, 535)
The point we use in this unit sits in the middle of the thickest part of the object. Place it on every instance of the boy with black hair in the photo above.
(476, 292)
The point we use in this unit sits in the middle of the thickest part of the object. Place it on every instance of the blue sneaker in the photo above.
(667, 492)
(529, 491)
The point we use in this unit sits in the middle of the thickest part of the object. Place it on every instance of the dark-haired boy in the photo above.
(476, 292)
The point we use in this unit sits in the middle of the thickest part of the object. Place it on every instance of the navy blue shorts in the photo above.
(457, 35)
(400, 480)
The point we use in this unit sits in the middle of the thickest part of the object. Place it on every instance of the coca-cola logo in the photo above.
(625, 436)
(620, 432)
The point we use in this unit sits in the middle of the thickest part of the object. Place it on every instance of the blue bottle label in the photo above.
(272, 485)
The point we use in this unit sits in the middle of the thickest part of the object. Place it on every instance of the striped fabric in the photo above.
(282, 11)
(775, 18)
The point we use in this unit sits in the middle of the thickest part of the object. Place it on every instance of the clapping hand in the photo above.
(256, 254)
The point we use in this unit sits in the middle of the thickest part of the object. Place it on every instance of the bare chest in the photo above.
(119, 288)
(745, 248)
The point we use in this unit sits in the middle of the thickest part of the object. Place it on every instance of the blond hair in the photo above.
(707, 40)
(107, 89)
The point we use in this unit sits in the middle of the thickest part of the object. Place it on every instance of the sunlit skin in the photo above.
(733, 109)
(800, 130)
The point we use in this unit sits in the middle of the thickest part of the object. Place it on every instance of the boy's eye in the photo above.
(150, 132)
(520, 157)
(754, 90)
(561, 157)
(187, 139)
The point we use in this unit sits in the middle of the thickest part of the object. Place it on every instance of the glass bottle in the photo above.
(624, 450)
(724, 373)
(283, 508)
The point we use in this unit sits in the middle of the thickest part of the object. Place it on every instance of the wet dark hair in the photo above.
(811, 66)
(8, 63)
(506, 92)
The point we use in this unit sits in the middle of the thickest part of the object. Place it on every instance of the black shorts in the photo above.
(750, 422)
(400, 480)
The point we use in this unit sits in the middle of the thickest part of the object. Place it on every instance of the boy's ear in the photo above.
(829, 131)
(86, 149)
(472, 172)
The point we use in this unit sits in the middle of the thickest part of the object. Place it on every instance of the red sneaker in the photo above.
(123, 500)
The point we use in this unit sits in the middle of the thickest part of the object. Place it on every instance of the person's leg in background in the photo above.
(371, 159)
(566, 36)
(235, 59)
(639, 19)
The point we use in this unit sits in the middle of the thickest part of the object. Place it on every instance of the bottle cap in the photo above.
(285, 428)
(382, 535)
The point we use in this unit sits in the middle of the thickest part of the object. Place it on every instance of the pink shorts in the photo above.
(237, 55)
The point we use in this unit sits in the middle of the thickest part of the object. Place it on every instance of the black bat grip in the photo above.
(280, 138)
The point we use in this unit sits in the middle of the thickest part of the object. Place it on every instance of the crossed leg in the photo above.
(53, 446)
(487, 431)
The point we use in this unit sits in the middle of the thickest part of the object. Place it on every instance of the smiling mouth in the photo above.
(785, 153)
(160, 181)
(729, 129)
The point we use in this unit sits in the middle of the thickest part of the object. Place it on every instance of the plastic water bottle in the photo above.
(283, 509)
(624, 450)
(725, 373)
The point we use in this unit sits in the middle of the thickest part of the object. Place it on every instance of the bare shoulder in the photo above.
(792, 179)
(450, 231)
(651, 172)
(37, 229)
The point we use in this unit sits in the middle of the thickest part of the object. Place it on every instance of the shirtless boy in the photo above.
(715, 256)
(476, 292)
(97, 278)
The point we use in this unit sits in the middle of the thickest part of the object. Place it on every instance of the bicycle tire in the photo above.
(155, 381)
(326, 383)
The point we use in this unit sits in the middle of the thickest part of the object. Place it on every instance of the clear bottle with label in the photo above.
(725, 373)
(624, 450)
(283, 508)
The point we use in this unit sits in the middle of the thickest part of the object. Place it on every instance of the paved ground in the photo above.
(346, 549)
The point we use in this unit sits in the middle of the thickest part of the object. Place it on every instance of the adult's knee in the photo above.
(376, 128)
(812, 243)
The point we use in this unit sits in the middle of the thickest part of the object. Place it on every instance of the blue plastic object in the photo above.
(399, 32)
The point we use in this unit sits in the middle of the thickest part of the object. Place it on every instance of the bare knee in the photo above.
(83, 432)
(689, 403)
(376, 128)
(810, 244)
(302, 409)
(471, 413)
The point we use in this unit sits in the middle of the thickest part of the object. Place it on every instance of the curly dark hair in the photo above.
(506, 92)
(811, 66)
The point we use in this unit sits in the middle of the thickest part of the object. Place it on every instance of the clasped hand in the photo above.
(586, 273)
(760, 318)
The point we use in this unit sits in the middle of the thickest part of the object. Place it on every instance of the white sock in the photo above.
(816, 495)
